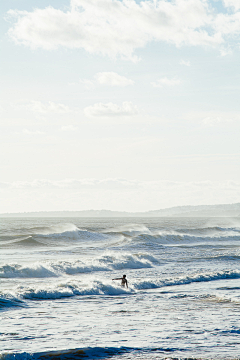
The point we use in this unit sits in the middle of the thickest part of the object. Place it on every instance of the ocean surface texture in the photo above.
(58, 299)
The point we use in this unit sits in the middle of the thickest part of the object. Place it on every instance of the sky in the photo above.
(119, 104)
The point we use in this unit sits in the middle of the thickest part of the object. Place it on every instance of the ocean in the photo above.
(58, 299)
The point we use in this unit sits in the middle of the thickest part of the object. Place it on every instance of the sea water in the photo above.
(58, 299)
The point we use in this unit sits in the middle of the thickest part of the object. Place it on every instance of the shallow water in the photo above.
(58, 299)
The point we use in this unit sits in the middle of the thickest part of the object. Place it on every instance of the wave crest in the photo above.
(19, 271)
(70, 289)
(185, 280)
(105, 262)
(9, 302)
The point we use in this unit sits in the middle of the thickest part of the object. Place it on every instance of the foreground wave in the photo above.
(91, 352)
(9, 302)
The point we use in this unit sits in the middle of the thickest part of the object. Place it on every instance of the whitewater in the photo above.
(58, 299)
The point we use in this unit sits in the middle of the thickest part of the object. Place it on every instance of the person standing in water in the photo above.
(124, 281)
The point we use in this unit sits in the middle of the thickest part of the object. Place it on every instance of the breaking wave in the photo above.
(105, 262)
(95, 287)
(199, 277)
(129, 230)
(137, 234)
(177, 239)
(60, 234)
(54, 229)
(20, 271)
(91, 286)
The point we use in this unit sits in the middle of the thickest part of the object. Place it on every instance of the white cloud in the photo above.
(38, 106)
(106, 27)
(112, 79)
(166, 82)
(111, 110)
(227, 25)
(106, 78)
(184, 62)
(232, 3)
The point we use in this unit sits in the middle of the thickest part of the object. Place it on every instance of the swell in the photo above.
(224, 258)
(141, 233)
(22, 242)
(208, 231)
(65, 234)
(80, 237)
(174, 239)
(53, 235)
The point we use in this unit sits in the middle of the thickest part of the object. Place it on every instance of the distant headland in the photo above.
(222, 210)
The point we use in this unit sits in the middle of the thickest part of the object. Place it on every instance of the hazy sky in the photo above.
(119, 104)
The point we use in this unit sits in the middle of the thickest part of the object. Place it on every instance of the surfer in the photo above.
(124, 281)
